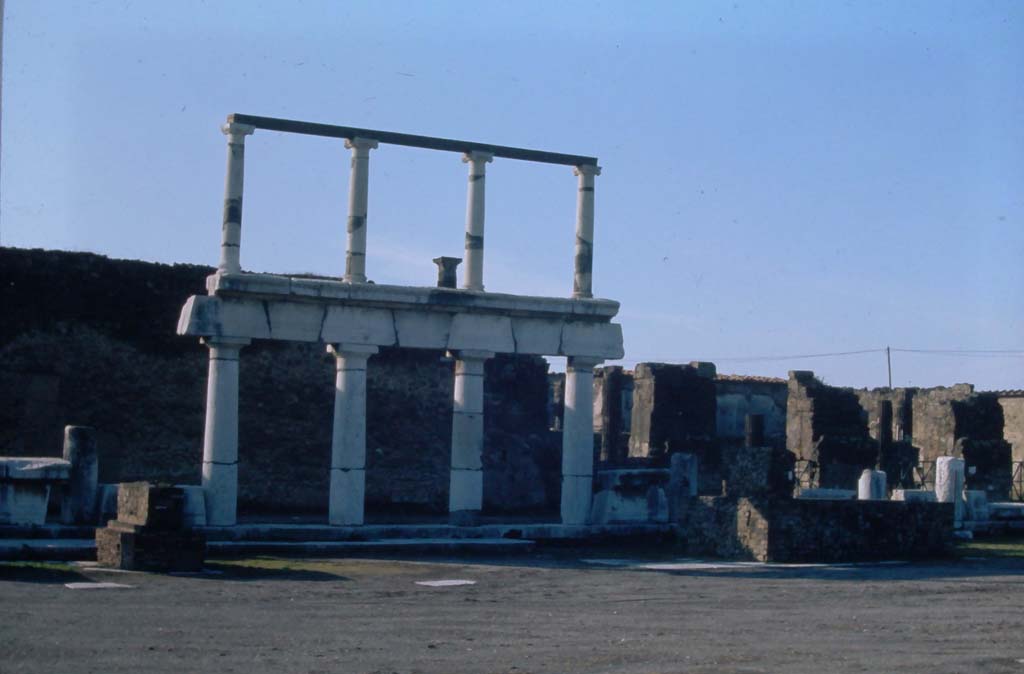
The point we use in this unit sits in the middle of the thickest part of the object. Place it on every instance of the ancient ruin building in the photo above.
(356, 318)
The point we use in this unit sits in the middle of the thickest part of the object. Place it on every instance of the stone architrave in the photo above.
(348, 440)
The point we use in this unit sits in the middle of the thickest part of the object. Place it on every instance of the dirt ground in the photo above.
(570, 611)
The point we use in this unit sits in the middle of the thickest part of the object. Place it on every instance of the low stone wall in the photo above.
(798, 530)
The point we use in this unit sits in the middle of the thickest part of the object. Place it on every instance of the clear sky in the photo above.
(779, 178)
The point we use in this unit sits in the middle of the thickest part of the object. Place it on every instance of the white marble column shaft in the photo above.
(474, 268)
(578, 440)
(358, 196)
(584, 260)
(231, 227)
(220, 439)
(949, 485)
(466, 488)
(348, 439)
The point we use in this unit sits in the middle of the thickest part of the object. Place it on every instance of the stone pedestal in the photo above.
(348, 442)
(949, 485)
(871, 486)
(25, 487)
(79, 506)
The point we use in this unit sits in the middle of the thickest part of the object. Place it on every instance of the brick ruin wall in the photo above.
(89, 340)
(1013, 420)
(839, 429)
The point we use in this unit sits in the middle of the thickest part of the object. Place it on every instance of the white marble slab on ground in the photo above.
(445, 583)
(98, 586)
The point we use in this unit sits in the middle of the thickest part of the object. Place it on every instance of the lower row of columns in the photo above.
(348, 441)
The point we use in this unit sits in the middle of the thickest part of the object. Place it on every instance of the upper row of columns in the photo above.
(355, 255)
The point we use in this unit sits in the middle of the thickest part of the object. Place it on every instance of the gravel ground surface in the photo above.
(571, 611)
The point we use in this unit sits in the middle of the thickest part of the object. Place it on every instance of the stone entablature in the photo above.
(264, 306)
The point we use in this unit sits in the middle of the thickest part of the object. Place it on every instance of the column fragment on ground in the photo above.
(474, 269)
(584, 260)
(578, 440)
(231, 232)
(466, 489)
(358, 197)
(348, 440)
(220, 439)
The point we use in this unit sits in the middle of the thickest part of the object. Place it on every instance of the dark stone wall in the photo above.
(1013, 424)
(89, 340)
(796, 530)
(674, 410)
(611, 387)
(825, 425)
(736, 398)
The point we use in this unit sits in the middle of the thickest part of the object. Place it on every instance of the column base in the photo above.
(464, 518)
(465, 490)
(577, 493)
(220, 487)
(348, 496)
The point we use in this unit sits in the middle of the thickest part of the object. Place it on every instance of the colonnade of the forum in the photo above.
(348, 446)
(348, 439)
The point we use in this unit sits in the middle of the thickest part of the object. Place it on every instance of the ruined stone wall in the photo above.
(797, 530)
(613, 404)
(901, 399)
(674, 410)
(88, 340)
(1013, 424)
(739, 396)
(935, 426)
(825, 425)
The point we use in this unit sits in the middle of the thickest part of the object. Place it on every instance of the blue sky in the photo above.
(778, 177)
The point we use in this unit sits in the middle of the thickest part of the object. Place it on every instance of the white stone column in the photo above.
(220, 440)
(578, 440)
(358, 192)
(466, 488)
(871, 485)
(231, 229)
(949, 485)
(348, 440)
(582, 285)
(474, 269)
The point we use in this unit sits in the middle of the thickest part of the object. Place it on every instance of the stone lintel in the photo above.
(219, 319)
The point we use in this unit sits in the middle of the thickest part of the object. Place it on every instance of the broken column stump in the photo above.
(149, 533)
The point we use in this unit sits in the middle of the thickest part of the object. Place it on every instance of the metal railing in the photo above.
(924, 475)
(805, 474)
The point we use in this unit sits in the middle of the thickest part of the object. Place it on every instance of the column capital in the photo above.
(237, 132)
(361, 143)
(225, 342)
(344, 350)
(587, 170)
(477, 156)
(575, 363)
(471, 354)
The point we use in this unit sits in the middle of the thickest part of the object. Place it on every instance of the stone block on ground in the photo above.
(128, 546)
(144, 504)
